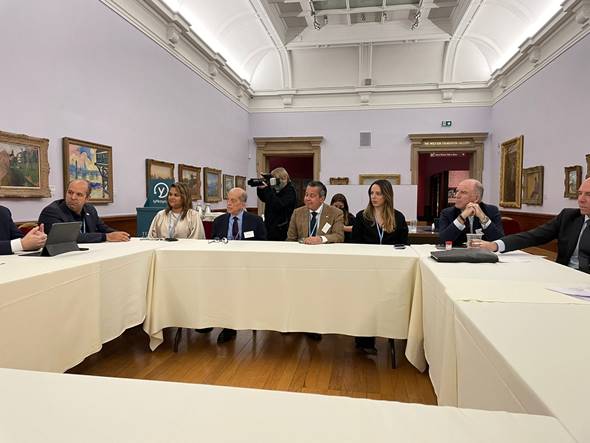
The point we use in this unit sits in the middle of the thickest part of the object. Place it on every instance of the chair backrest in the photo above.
(510, 225)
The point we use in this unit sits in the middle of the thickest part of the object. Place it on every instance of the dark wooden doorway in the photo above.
(300, 169)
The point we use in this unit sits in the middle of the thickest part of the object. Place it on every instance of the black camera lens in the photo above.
(255, 182)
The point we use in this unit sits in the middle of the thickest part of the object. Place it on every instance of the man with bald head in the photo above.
(236, 224)
(469, 215)
(75, 207)
(570, 228)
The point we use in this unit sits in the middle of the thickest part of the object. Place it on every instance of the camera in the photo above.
(267, 179)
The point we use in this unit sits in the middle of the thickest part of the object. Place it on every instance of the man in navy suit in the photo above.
(469, 215)
(570, 227)
(12, 240)
(75, 207)
(237, 224)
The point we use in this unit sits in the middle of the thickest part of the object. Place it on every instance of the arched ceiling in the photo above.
(279, 45)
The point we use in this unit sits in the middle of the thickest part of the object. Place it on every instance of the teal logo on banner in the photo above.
(158, 192)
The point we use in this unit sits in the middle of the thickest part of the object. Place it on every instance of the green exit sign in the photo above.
(446, 123)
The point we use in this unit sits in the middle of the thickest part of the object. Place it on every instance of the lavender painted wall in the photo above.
(74, 68)
(391, 147)
(552, 110)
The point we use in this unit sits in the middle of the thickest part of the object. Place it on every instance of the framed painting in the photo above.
(240, 182)
(158, 170)
(587, 166)
(228, 183)
(572, 181)
(89, 161)
(212, 185)
(511, 172)
(532, 185)
(339, 180)
(24, 166)
(191, 176)
(367, 179)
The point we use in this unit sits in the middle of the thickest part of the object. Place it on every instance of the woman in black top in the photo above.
(339, 201)
(379, 223)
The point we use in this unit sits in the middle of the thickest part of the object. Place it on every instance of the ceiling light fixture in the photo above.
(325, 19)
(417, 16)
(363, 18)
(316, 24)
(384, 15)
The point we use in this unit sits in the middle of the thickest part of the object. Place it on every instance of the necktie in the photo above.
(235, 231)
(584, 249)
(313, 224)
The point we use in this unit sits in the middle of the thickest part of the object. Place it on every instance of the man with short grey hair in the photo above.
(469, 215)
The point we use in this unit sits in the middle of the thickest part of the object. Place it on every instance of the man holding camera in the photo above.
(280, 198)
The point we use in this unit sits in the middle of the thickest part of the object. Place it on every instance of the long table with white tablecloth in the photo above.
(359, 290)
(69, 408)
(56, 311)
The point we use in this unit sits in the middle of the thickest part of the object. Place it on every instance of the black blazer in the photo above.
(8, 231)
(58, 212)
(279, 207)
(565, 228)
(364, 231)
(250, 222)
(447, 231)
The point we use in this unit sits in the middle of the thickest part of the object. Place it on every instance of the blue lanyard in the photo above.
(313, 229)
(380, 231)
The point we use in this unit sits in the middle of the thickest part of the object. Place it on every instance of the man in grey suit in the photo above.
(316, 222)
(570, 228)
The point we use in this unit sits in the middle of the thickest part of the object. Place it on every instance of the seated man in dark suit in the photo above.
(469, 215)
(75, 208)
(316, 222)
(570, 228)
(12, 240)
(237, 224)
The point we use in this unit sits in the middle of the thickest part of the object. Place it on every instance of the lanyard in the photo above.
(380, 232)
(172, 224)
(83, 227)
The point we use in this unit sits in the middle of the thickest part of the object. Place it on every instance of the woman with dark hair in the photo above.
(339, 201)
(379, 223)
(179, 219)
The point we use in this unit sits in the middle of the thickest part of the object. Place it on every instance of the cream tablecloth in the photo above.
(69, 408)
(532, 358)
(445, 284)
(363, 290)
(55, 311)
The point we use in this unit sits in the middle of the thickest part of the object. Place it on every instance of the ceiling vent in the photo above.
(368, 81)
(365, 140)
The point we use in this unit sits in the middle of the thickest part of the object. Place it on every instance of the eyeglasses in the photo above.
(218, 240)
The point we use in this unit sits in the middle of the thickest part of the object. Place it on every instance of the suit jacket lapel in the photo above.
(575, 234)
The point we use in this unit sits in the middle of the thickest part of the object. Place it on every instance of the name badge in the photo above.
(326, 228)
(249, 234)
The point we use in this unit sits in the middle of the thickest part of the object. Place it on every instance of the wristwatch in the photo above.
(461, 218)
(485, 220)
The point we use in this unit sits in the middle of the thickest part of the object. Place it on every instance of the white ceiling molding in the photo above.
(407, 73)
(172, 32)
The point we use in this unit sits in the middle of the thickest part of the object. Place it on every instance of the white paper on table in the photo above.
(518, 257)
(576, 292)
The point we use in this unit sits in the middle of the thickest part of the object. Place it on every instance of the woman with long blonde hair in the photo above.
(379, 223)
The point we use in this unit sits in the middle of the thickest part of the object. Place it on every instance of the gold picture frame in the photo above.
(532, 185)
(191, 176)
(587, 166)
(240, 182)
(24, 166)
(572, 181)
(157, 169)
(211, 185)
(367, 179)
(511, 172)
(228, 184)
(92, 162)
(339, 180)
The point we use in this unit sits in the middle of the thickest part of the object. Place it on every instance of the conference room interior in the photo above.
(143, 79)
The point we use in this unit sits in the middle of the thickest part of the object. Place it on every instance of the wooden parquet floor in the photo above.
(267, 360)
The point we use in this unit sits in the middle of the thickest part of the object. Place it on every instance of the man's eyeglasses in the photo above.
(218, 240)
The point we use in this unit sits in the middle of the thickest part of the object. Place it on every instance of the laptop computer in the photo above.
(62, 238)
